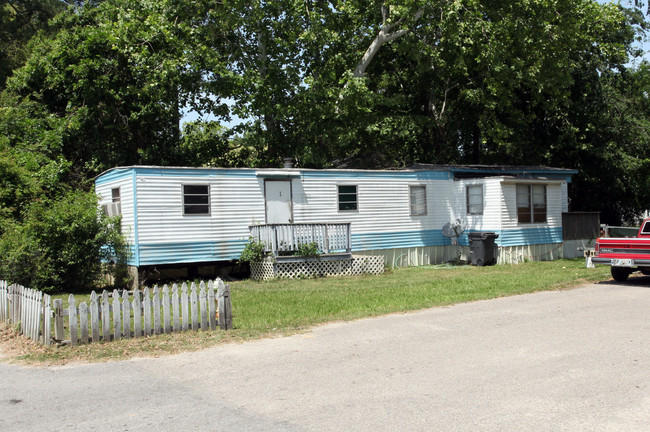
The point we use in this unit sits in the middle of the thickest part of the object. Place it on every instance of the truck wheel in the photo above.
(620, 274)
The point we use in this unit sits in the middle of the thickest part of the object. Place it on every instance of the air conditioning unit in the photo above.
(112, 209)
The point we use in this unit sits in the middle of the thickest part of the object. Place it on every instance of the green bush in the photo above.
(64, 243)
(253, 252)
(308, 250)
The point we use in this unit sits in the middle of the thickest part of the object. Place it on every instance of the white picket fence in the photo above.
(27, 307)
(117, 315)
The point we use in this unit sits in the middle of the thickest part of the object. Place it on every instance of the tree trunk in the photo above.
(269, 120)
(384, 36)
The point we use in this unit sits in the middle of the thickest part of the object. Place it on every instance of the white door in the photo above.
(278, 201)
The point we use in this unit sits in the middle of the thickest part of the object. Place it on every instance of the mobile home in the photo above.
(186, 216)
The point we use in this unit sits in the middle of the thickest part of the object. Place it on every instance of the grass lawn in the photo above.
(282, 307)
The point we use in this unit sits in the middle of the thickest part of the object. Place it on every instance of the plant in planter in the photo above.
(253, 252)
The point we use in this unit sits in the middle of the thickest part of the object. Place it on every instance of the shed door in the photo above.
(278, 201)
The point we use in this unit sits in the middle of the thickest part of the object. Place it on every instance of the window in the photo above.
(117, 201)
(646, 228)
(474, 195)
(115, 207)
(196, 199)
(418, 196)
(347, 198)
(531, 203)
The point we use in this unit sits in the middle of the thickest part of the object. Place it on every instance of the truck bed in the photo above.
(637, 249)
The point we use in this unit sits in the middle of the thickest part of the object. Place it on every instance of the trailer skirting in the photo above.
(309, 267)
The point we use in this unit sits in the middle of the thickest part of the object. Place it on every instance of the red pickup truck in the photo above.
(625, 255)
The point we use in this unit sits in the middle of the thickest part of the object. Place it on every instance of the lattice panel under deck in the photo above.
(355, 266)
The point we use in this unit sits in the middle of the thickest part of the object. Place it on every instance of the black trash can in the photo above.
(482, 247)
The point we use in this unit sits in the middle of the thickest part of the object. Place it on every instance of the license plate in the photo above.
(623, 263)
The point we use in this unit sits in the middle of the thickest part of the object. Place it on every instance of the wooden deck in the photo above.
(285, 239)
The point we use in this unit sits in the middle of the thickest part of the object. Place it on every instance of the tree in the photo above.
(20, 20)
(452, 81)
(610, 115)
(391, 28)
(118, 75)
(208, 144)
(30, 161)
(266, 61)
(61, 244)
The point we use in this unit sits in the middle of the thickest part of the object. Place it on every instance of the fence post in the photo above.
(146, 304)
(25, 321)
(25, 316)
(212, 310)
(275, 240)
(83, 322)
(21, 312)
(106, 317)
(47, 319)
(137, 314)
(10, 303)
(326, 240)
(167, 319)
(225, 307)
(36, 317)
(3, 300)
(194, 307)
(72, 317)
(34, 314)
(18, 297)
(126, 315)
(348, 236)
(117, 319)
(94, 316)
(186, 308)
(156, 310)
(38, 311)
(176, 308)
(203, 299)
(58, 320)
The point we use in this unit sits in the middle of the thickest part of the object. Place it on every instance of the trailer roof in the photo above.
(457, 170)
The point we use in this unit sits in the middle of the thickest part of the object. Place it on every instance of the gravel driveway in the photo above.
(575, 360)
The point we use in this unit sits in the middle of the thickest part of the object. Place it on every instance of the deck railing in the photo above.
(286, 238)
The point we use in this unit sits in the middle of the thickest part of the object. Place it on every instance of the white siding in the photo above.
(554, 205)
(492, 216)
(508, 206)
(383, 204)
(490, 220)
(236, 202)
